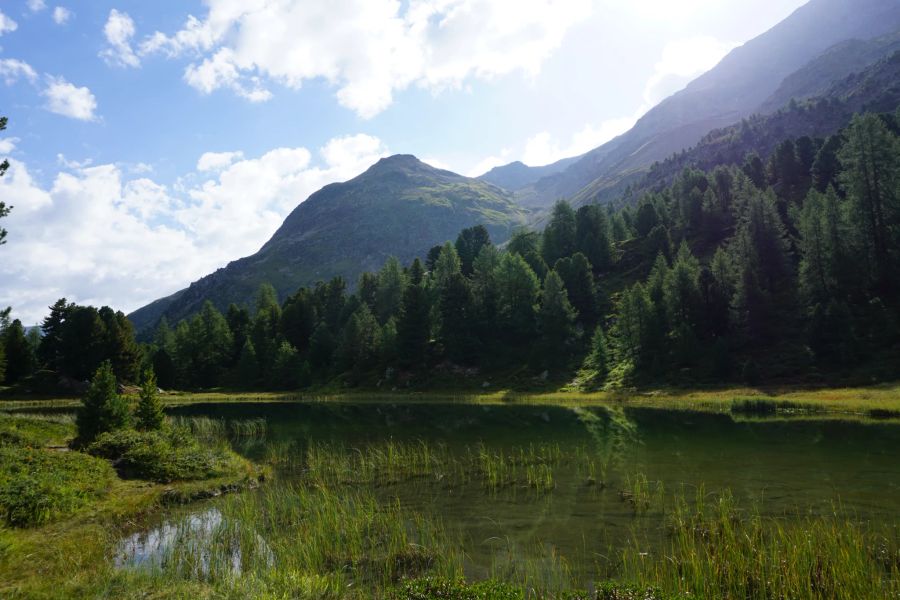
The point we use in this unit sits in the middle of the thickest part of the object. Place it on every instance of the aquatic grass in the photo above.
(341, 539)
(716, 550)
(222, 430)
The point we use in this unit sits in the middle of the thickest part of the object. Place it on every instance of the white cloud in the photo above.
(542, 149)
(12, 69)
(140, 168)
(36, 5)
(64, 98)
(367, 49)
(682, 61)
(97, 236)
(488, 163)
(61, 15)
(6, 24)
(119, 30)
(73, 164)
(216, 161)
(7, 145)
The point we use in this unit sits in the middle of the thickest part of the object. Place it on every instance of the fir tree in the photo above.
(103, 409)
(149, 413)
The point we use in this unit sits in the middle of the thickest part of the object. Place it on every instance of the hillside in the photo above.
(876, 89)
(745, 79)
(399, 207)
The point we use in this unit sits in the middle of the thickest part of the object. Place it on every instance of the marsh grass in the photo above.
(717, 550)
(338, 543)
(222, 430)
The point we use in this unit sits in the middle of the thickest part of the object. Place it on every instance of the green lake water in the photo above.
(782, 467)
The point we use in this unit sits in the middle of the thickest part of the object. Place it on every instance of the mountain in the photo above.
(399, 207)
(874, 89)
(838, 62)
(742, 82)
(517, 175)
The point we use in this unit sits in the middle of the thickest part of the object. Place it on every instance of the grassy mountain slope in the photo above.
(735, 88)
(399, 207)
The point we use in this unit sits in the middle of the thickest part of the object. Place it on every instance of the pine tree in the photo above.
(286, 368)
(457, 320)
(414, 323)
(559, 235)
(149, 413)
(321, 350)
(556, 321)
(103, 409)
(469, 243)
(871, 176)
(446, 266)
(578, 278)
(20, 360)
(298, 319)
(592, 236)
(597, 360)
(389, 294)
(518, 289)
(247, 374)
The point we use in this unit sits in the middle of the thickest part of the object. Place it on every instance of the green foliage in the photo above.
(443, 589)
(103, 409)
(170, 454)
(39, 486)
(556, 321)
(18, 352)
(149, 414)
(559, 239)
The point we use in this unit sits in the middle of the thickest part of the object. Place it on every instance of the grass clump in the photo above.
(170, 454)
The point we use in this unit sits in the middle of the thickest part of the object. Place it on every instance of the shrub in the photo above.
(168, 455)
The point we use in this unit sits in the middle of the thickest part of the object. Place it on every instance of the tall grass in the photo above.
(716, 550)
(341, 543)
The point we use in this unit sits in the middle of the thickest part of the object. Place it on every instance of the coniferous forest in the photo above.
(782, 268)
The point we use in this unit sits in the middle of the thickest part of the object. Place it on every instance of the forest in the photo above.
(781, 268)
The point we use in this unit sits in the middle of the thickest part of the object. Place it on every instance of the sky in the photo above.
(151, 143)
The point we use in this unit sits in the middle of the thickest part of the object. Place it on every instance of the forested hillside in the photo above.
(782, 269)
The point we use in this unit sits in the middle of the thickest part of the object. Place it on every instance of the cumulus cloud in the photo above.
(11, 70)
(215, 161)
(97, 235)
(367, 49)
(68, 100)
(61, 15)
(119, 30)
(36, 5)
(7, 24)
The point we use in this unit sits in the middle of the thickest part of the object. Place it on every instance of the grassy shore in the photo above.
(60, 508)
(880, 401)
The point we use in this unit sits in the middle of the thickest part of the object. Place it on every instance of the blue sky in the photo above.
(153, 142)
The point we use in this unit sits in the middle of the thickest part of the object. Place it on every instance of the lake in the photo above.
(604, 463)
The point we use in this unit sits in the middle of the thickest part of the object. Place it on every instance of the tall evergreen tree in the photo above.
(556, 322)
(592, 236)
(103, 409)
(389, 295)
(559, 235)
(469, 243)
(149, 413)
(20, 360)
(414, 324)
(871, 176)
(518, 290)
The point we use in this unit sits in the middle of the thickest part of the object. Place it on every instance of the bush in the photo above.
(38, 486)
(442, 589)
(164, 456)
